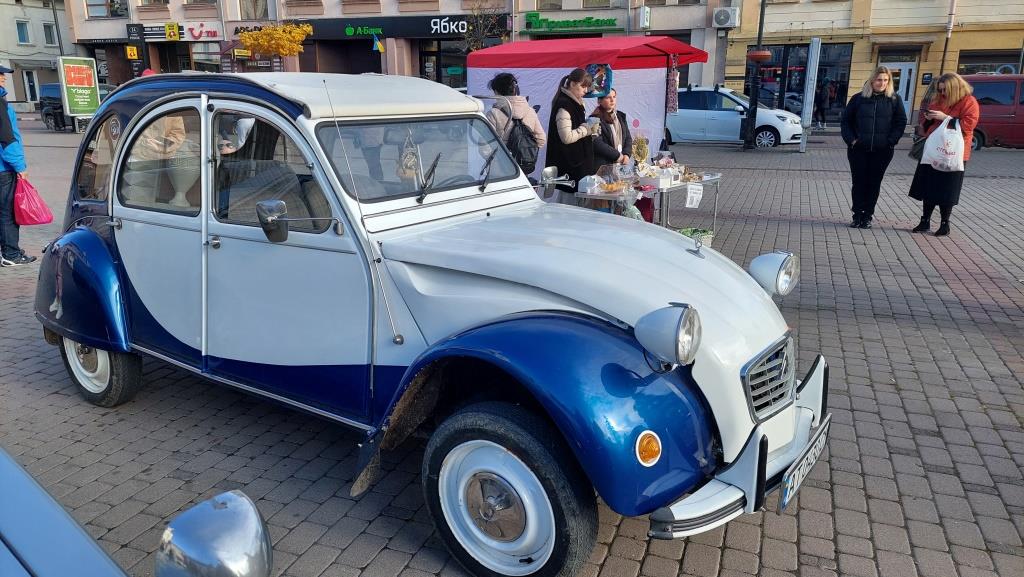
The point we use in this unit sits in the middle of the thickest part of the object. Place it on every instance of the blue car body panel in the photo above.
(596, 384)
(79, 294)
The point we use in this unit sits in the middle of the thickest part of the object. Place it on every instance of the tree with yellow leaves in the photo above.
(277, 39)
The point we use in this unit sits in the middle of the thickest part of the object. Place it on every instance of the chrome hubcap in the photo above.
(765, 139)
(495, 507)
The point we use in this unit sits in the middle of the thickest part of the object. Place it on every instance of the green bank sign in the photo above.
(81, 93)
(536, 24)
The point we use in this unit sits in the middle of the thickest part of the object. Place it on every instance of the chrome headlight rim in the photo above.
(789, 273)
(688, 335)
(777, 272)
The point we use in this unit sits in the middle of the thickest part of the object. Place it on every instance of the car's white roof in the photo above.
(355, 95)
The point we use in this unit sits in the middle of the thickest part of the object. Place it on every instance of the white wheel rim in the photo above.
(516, 504)
(765, 139)
(91, 366)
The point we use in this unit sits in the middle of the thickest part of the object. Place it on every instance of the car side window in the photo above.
(254, 162)
(93, 178)
(690, 100)
(719, 101)
(998, 93)
(162, 168)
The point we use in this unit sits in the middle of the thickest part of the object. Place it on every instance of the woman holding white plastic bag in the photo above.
(932, 186)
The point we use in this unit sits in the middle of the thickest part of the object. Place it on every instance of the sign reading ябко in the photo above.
(80, 93)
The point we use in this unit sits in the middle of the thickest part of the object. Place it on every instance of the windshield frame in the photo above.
(329, 123)
(744, 101)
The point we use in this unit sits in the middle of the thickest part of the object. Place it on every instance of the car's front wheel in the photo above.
(49, 122)
(102, 377)
(978, 142)
(506, 494)
(766, 137)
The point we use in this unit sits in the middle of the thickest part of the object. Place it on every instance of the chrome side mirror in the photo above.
(549, 179)
(740, 109)
(223, 536)
(270, 214)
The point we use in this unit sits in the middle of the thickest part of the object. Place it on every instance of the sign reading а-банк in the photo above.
(80, 93)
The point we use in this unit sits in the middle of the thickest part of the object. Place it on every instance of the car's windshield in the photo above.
(383, 160)
(746, 101)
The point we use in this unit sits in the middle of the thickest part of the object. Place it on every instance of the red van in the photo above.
(1002, 109)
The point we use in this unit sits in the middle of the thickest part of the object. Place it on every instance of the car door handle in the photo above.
(214, 242)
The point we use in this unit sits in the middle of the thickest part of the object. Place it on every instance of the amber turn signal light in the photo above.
(648, 448)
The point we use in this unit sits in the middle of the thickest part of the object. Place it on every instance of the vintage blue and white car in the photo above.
(363, 248)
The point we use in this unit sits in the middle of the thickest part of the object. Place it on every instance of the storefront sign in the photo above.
(80, 92)
(136, 31)
(455, 70)
(926, 78)
(171, 31)
(535, 24)
(241, 53)
(200, 31)
(455, 26)
(240, 29)
(131, 52)
(176, 32)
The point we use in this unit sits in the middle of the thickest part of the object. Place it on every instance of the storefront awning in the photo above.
(621, 52)
(33, 63)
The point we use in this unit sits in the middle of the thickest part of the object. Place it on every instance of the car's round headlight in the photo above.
(688, 337)
(776, 272)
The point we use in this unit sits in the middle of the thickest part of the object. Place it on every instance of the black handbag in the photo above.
(917, 148)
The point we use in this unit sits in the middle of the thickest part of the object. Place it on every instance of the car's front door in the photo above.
(158, 231)
(723, 119)
(290, 318)
(997, 99)
(689, 122)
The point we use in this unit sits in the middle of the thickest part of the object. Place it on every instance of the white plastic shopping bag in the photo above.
(944, 149)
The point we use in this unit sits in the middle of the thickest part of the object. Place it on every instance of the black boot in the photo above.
(943, 228)
(925, 225)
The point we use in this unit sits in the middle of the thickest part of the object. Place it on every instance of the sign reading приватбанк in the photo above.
(80, 92)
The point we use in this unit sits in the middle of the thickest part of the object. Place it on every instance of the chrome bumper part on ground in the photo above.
(741, 486)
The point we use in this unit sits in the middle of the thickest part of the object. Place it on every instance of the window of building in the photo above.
(23, 35)
(206, 56)
(106, 8)
(597, 3)
(994, 61)
(257, 162)
(162, 170)
(94, 171)
(253, 9)
(49, 34)
(550, 5)
(995, 93)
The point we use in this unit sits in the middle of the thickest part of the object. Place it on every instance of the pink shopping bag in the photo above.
(29, 207)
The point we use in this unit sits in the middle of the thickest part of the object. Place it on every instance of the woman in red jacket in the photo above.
(933, 187)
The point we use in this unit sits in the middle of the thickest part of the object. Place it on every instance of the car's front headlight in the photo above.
(794, 121)
(672, 334)
(777, 272)
(782, 117)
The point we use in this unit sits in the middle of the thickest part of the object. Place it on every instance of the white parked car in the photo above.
(716, 115)
(364, 249)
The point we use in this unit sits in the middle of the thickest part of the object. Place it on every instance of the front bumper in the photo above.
(741, 486)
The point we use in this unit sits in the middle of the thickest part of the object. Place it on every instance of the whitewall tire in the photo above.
(102, 377)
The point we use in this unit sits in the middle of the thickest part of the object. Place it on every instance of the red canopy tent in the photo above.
(622, 52)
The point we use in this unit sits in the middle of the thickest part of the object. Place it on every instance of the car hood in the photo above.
(622, 267)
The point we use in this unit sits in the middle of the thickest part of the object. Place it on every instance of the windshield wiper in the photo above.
(486, 170)
(428, 179)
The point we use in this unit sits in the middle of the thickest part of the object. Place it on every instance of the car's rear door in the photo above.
(998, 103)
(689, 122)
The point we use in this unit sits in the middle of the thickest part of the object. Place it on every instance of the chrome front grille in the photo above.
(769, 379)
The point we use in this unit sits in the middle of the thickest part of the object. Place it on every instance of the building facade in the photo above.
(31, 44)
(908, 36)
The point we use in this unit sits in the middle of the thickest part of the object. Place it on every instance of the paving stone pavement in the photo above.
(922, 477)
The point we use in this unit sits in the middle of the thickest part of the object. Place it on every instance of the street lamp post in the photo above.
(757, 56)
(949, 32)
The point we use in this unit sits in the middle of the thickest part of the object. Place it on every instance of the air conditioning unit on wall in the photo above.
(725, 18)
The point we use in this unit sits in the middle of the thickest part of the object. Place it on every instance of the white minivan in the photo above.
(716, 115)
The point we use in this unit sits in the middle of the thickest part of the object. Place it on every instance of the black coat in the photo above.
(875, 123)
(604, 145)
(576, 159)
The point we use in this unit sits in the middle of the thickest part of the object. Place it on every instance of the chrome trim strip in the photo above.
(745, 372)
(262, 393)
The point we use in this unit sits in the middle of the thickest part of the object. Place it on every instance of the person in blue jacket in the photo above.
(12, 167)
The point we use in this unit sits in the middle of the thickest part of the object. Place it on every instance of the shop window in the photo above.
(991, 61)
(253, 9)
(550, 5)
(995, 93)
(106, 8)
(205, 55)
(23, 35)
(597, 3)
(783, 77)
(49, 34)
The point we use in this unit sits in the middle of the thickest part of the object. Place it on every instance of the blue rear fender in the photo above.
(596, 385)
(79, 294)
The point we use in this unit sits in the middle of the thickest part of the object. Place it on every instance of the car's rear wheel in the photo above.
(979, 141)
(668, 136)
(50, 124)
(102, 377)
(766, 137)
(506, 494)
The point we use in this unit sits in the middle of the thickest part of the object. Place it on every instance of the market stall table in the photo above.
(665, 199)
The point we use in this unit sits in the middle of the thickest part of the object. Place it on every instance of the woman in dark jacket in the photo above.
(570, 146)
(872, 124)
(615, 144)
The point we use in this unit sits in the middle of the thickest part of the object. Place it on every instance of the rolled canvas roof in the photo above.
(621, 52)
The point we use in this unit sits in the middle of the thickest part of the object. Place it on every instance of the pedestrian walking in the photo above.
(12, 168)
(933, 187)
(872, 124)
(821, 103)
(571, 146)
(516, 121)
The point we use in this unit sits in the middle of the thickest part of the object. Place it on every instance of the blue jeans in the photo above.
(8, 228)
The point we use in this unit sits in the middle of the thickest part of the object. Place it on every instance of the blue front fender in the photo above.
(79, 293)
(596, 384)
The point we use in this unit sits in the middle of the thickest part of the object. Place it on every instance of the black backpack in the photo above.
(522, 144)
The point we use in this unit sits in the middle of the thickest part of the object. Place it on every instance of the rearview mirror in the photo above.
(223, 536)
(271, 216)
(549, 179)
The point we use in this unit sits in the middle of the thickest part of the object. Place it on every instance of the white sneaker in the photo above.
(5, 262)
